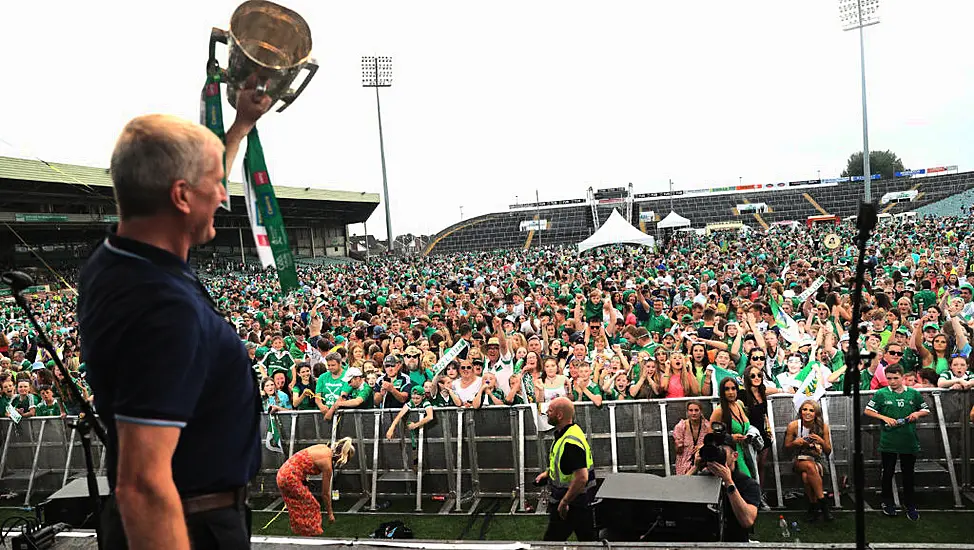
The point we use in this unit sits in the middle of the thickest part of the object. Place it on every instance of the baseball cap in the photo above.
(37, 366)
(967, 286)
(391, 360)
(411, 350)
(903, 330)
(493, 342)
(686, 318)
(933, 326)
(352, 372)
(844, 337)
(417, 389)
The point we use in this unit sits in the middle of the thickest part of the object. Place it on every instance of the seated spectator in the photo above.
(808, 437)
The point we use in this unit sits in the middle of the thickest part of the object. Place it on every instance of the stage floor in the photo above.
(85, 540)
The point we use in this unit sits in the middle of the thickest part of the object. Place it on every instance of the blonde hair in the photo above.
(342, 451)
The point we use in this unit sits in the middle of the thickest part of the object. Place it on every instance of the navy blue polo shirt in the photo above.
(158, 353)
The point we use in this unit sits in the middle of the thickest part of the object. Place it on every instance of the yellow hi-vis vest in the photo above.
(561, 480)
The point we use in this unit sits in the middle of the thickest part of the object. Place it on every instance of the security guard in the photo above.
(571, 474)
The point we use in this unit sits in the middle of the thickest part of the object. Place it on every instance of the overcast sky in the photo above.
(493, 100)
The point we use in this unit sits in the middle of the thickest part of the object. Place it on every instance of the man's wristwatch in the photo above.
(731, 489)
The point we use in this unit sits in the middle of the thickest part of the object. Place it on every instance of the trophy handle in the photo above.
(312, 66)
(216, 35)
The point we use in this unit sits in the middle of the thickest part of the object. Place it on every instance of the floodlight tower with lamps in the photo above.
(857, 14)
(377, 73)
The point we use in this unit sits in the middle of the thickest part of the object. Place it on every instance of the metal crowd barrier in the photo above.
(465, 455)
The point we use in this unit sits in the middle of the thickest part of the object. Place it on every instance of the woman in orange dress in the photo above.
(304, 512)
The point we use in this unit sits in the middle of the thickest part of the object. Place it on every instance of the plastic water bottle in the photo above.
(796, 531)
(783, 525)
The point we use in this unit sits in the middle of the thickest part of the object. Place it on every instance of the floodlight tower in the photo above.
(377, 73)
(858, 14)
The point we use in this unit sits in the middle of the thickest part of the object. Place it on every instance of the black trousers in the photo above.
(907, 464)
(222, 529)
(579, 520)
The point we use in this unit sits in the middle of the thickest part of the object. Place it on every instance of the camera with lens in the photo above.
(713, 446)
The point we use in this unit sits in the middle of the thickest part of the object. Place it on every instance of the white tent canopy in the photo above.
(673, 221)
(616, 230)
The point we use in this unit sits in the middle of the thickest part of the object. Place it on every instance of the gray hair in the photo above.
(333, 357)
(152, 152)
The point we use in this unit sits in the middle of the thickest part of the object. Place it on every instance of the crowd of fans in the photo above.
(701, 318)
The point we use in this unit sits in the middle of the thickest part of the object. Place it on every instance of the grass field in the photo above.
(933, 527)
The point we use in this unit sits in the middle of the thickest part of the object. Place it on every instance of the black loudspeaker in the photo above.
(645, 507)
(71, 505)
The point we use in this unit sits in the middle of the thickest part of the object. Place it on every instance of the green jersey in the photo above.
(592, 387)
(43, 409)
(26, 402)
(909, 361)
(658, 323)
(902, 438)
(419, 376)
(329, 387)
(278, 361)
(363, 391)
(924, 299)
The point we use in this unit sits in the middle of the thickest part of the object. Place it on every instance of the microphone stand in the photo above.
(865, 222)
(86, 421)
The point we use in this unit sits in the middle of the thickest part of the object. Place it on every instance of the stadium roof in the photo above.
(72, 174)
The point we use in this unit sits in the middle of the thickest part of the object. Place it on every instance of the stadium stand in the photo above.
(571, 223)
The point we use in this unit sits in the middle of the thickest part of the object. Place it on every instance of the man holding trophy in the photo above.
(182, 443)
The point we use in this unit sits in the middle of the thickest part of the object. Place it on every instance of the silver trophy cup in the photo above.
(269, 41)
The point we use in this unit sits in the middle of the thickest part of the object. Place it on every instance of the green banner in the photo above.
(29, 290)
(40, 218)
(261, 201)
(211, 116)
(269, 215)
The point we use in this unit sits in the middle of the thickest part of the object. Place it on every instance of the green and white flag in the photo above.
(450, 355)
(787, 326)
(812, 387)
(717, 374)
(811, 289)
(273, 438)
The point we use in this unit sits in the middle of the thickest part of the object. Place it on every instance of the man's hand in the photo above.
(721, 471)
(250, 106)
(562, 509)
(541, 478)
(331, 517)
(891, 422)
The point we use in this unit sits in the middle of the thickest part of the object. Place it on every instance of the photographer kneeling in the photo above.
(718, 457)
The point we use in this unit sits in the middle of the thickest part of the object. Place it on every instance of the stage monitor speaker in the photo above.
(644, 507)
(71, 505)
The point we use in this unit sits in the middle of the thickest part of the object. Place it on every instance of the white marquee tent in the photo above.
(673, 221)
(616, 230)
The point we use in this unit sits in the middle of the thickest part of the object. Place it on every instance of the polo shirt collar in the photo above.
(145, 251)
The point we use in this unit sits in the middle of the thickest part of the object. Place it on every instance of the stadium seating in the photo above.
(572, 224)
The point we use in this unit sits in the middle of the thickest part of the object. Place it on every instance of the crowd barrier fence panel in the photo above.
(495, 452)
